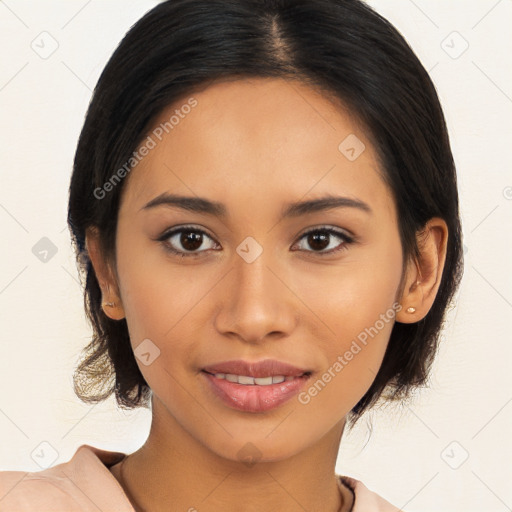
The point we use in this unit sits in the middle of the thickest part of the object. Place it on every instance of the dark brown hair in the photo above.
(341, 47)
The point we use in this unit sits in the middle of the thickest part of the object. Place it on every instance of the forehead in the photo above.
(257, 136)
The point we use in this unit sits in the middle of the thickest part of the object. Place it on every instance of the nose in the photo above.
(256, 302)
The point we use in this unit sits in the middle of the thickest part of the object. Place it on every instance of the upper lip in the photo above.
(265, 368)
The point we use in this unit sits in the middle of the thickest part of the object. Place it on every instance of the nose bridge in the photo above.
(254, 280)
(256, 302)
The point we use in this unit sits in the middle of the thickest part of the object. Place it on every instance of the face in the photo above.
(315, 289)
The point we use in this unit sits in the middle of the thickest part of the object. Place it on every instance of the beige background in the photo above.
(415, 454)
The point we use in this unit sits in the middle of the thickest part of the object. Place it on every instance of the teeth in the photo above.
(247, 380)
(266, 381)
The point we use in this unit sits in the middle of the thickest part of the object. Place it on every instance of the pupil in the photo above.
(191, 240)
(313, 240)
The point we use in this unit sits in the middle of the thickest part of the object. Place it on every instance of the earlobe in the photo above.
(111, 301)
(423, 276)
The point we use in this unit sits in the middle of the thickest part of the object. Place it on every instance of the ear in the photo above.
(111, 299)
(423, 277)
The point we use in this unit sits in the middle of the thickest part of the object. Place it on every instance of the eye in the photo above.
(185, 241)
(321, 238)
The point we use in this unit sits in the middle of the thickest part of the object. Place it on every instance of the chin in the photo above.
(260, 447)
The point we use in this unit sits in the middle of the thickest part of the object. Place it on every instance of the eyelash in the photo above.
(347, 240)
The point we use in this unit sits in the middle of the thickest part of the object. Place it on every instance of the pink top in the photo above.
(85, 483)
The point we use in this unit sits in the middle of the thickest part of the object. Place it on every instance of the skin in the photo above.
(256, 145)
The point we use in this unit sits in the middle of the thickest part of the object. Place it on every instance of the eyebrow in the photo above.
(214, 208)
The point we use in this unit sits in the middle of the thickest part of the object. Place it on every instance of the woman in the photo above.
(264, 207)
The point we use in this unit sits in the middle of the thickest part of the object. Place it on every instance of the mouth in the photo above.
(248, 380)
(255, 387)
(257, 369)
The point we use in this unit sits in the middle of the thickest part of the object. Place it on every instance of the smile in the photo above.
(247, 380)
(254, 386)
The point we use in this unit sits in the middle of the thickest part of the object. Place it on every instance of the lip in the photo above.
(265, 368)
(255, 398)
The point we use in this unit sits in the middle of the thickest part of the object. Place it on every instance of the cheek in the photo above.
(355, 309)
(354, 354)
(147, 293)
(160, 299)
(350, 295)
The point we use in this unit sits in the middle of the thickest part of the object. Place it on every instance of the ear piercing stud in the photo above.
(412, 309)
(109, 304)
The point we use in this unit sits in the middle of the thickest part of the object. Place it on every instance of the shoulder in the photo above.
(25, 491)
(366, 500)
(84, 483)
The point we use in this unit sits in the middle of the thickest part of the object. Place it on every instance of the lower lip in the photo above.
(255, 398)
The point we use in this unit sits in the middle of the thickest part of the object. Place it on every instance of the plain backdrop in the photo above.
(450, 449)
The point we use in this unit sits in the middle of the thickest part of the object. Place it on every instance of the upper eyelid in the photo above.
(171, 231)
(329, 227)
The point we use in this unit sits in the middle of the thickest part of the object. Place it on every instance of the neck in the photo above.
(173, 467)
